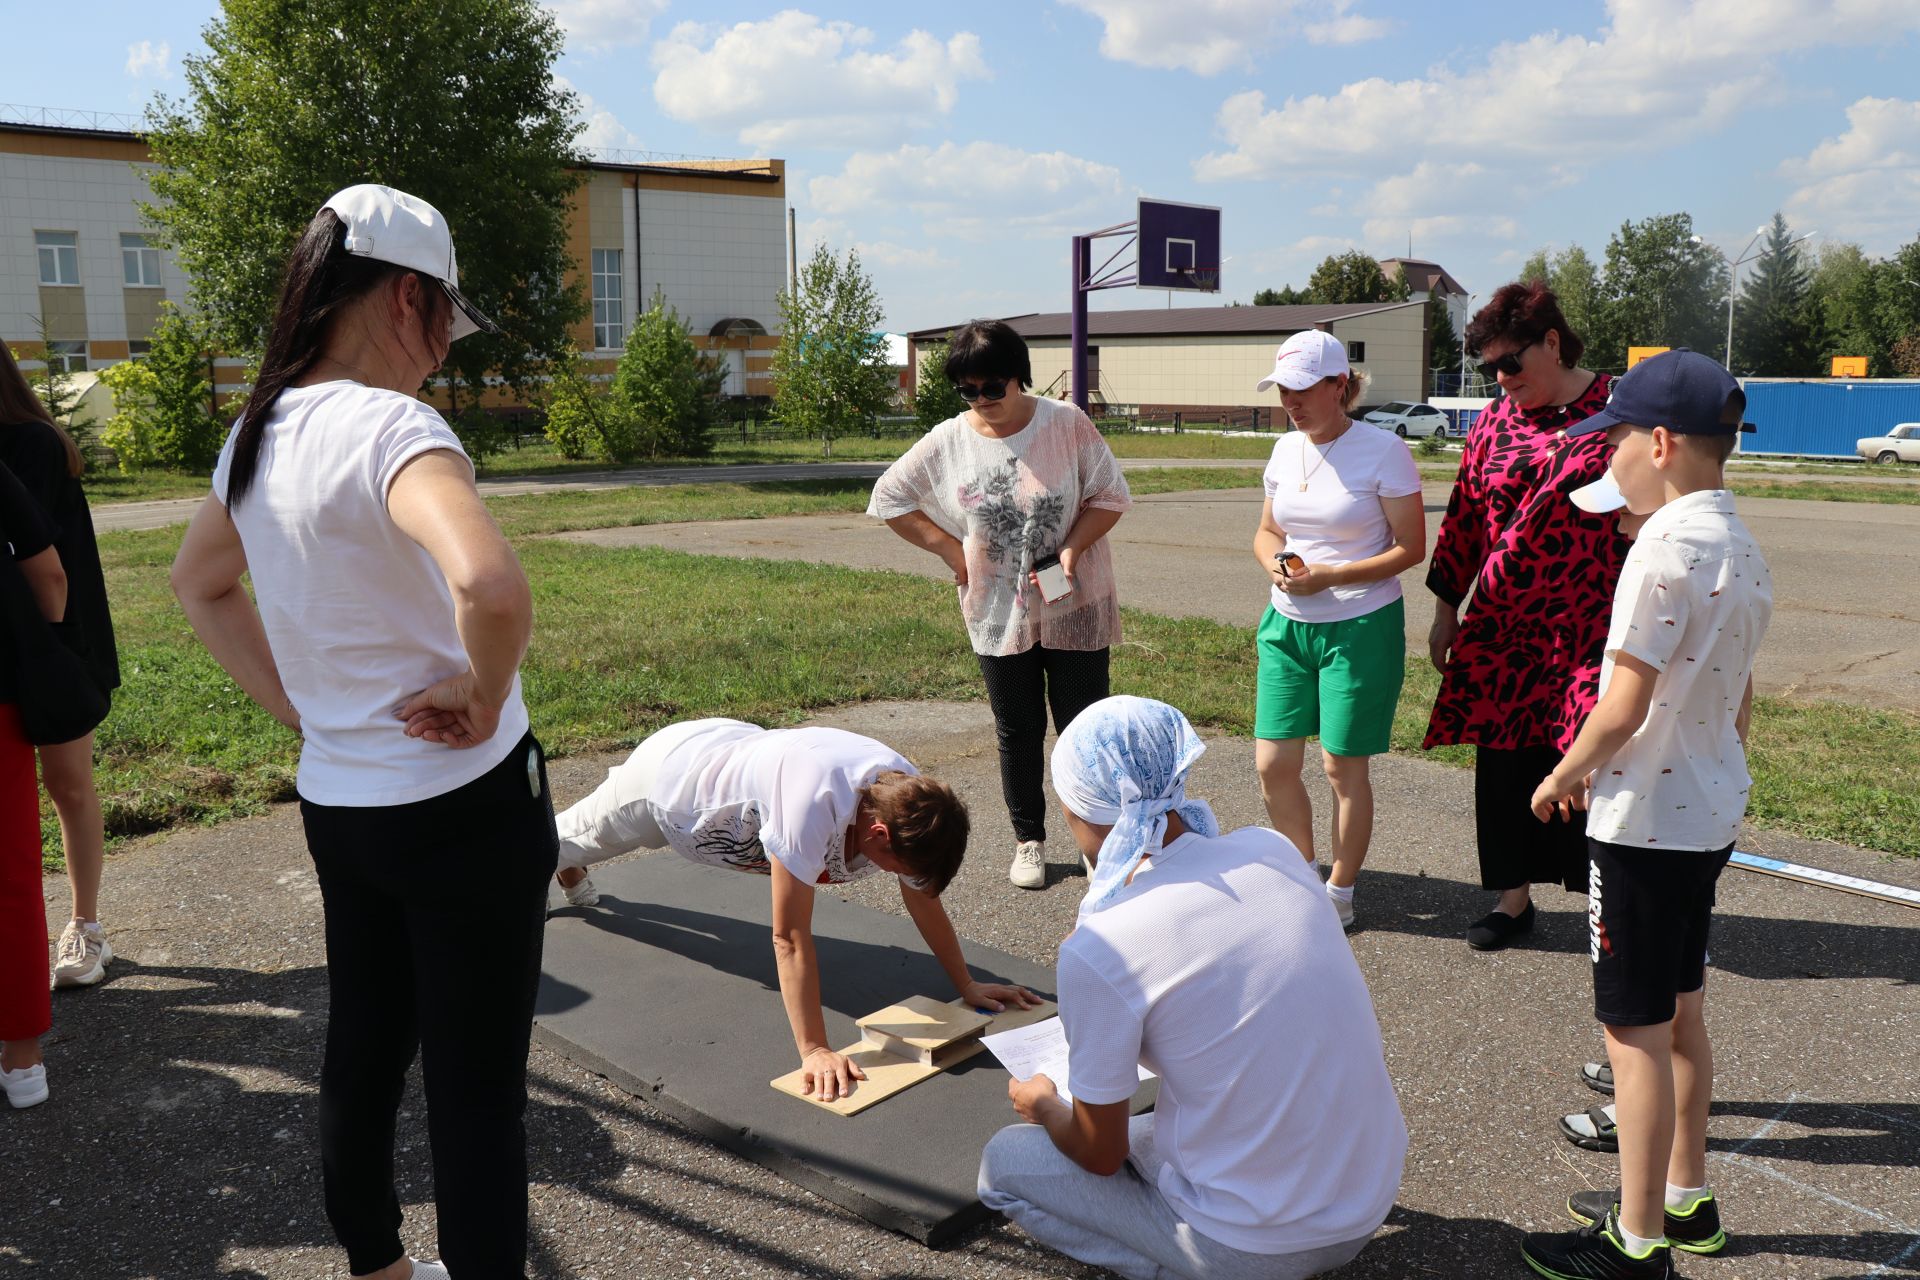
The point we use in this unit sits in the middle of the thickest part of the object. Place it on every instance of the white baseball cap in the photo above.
(1602, 496)
(1306, 358)
(392, 226)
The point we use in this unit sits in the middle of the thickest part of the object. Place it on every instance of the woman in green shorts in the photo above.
(1342, 517)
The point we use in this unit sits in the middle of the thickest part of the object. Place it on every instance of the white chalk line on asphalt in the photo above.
(1737, 1156)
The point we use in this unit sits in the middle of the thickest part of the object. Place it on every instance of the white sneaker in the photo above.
(83, 956)
(26, 1087)
(1029, 869)
(429, 1270)
(1344, 910)
(583, 894)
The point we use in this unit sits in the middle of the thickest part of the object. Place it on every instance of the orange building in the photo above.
(709, 234)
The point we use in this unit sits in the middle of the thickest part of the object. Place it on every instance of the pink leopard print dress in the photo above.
(1525, 671)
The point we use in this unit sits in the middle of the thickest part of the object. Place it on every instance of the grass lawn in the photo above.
(631, 639)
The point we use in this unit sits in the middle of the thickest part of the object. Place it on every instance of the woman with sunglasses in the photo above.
(997, 492)
(1341, 521)
(1520, 668)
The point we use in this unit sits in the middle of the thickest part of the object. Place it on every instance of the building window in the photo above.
(140, 261)
(609, 313)
(71, 357)
(59, 257)
(139, 350)
(1357, 352)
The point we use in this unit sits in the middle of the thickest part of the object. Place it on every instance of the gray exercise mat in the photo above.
(668, 988)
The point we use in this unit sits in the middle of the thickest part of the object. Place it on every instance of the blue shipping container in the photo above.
(1824, 417)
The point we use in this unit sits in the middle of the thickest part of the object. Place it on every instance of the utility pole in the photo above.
(793, 255)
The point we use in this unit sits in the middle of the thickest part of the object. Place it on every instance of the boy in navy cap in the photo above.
(1660, 767)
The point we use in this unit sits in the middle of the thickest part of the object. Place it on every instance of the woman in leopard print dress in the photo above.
(1520, 667)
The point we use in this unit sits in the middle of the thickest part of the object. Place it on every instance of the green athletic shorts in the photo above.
(1338, 680)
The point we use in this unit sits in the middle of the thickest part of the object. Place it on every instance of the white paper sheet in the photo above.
(1039, 1048)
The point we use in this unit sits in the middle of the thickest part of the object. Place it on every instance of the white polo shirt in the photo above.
(1220, 969)
(1693, 602)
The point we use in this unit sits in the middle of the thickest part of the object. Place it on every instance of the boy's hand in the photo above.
(996, 996)
(827, 1075)
(1032, 1096)
(1557, 794)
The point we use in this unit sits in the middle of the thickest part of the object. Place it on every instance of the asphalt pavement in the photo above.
(180, 1138)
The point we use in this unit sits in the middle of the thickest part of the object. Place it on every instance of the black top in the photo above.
(38, 457)
(24, 531)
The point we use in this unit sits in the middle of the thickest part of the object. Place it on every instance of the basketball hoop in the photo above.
(1205, 279)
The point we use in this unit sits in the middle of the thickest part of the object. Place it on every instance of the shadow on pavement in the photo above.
(1883, 1134)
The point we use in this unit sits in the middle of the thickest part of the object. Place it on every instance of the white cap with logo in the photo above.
(1306, 358)
(392, 226)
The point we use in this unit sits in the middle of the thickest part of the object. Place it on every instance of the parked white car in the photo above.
(1902, 444)
(1404, 418)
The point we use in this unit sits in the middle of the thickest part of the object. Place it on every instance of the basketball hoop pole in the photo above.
(1082, 268)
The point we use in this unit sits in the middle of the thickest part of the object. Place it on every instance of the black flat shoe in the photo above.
(1496, 929)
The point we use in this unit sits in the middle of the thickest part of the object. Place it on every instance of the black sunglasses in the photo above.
(1508, 364)
(995, 390)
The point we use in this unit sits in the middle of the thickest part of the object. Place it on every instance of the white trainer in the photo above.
(1344, 910)
(429, 1270)
(1029, 869)
(583, 894)
(83, 955)
(26, 1087)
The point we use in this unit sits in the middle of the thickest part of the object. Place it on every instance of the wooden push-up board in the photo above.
(906, 1043)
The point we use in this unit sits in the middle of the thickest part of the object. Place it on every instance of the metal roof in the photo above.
(1156, 322)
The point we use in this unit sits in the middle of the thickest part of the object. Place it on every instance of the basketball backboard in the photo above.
(1179, 246)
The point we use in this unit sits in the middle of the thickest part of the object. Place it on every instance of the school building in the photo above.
(1206, 361)
(710, 234)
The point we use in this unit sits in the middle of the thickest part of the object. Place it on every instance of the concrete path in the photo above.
(180, 1139)
(1846, 623)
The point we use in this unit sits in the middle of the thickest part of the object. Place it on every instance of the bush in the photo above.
(186, 435)
(665, 390)
(482, 434)
(573, 407)
(1433, 446)
(130, 431)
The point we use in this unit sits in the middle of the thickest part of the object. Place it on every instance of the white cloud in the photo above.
(594, 26)
(603, 127)
(149, 59)
(1658, 71)
(977, 190)
(1864, 183)
(1393, 232)
(1211, 36)
(795, 81)
(839, 236)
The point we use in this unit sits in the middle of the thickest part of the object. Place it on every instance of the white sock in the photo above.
(1684, 1197)
(1637, 1246)
(1340, 893)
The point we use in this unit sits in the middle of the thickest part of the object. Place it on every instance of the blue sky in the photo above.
(958, 146)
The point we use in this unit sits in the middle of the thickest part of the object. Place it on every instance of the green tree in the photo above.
(1445, 354)
(1538, 266)
(1776, 324)
(451, 100)
(934, 399)
(186, 434)
(1575, 281)
(575, 410)
(829, 372)
(1285, 296)
(1661, 288)
(1898, 311)
(55, 385)
(1354, 276)
(665, 390)
(1844, 287)
(129, 430)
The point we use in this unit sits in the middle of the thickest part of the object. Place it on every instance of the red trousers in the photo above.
(26, 1006)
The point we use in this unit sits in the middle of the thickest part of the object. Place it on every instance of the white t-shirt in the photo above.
(357, 614)
(1221, 969)
(733, 795)
(1693, 602)
(1337, 518)
(1010, 502)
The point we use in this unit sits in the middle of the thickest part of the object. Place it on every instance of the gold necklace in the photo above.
(1320, 458)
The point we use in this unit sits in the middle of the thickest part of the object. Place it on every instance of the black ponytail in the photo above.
(322, 278)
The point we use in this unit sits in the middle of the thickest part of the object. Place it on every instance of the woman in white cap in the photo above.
(1342, 518)
(1276, 1146)
(391, 620)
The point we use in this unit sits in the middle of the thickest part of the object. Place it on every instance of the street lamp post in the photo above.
(1463, 344)
(1733, 274)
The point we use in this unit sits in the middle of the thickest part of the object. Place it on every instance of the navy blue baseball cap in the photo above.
(1680, 390)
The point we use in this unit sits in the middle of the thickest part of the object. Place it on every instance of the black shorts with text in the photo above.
(1648, 911)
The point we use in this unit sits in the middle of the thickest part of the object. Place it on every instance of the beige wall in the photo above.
(1223, 369)
(64, 310)
(143, 312)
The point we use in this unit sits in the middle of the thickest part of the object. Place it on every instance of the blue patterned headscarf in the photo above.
(1123, 762)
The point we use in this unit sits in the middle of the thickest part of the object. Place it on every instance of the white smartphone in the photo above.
(1053, 579)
